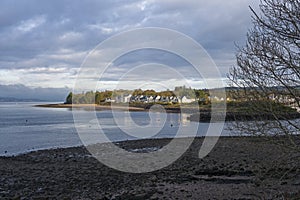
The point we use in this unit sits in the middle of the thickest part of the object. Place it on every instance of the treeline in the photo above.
(97, 97)
(88, 97)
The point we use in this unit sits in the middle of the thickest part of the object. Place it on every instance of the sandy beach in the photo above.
(237, 168)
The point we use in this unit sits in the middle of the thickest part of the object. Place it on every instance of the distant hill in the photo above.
(20, 92)
(12, 99)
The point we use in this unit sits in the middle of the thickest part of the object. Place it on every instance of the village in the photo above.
(180, 95)
(150, 99)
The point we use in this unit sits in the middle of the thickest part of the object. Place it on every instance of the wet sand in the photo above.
(237, 168)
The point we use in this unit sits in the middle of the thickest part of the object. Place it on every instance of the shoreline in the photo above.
(90, 107)
(54, 148)
(97, 107)
(238, 116)
(196, 114)
(235, 169)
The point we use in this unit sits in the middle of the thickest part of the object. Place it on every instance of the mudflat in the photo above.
(237, 168)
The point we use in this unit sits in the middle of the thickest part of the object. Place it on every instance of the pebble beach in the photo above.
(237, 168)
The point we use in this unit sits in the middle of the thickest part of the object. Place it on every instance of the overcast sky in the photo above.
(43, 43)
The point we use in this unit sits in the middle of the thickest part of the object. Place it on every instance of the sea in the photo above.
(25, 128)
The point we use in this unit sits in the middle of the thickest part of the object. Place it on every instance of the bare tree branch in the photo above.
(268, 68)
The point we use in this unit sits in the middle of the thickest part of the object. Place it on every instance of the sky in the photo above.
(44, 43)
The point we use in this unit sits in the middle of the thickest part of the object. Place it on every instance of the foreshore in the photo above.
(237, 168)
(125, 107)
(238, 116)
(90, 107)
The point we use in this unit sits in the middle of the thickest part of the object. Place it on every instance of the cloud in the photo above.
(29, 25)
(44, 43)
(39, 76)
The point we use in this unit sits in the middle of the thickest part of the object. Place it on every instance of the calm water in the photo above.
(25, 128)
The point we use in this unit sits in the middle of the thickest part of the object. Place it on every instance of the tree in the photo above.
(184, 91)
(149, 93)
(166, 93)
(268, 70)
(69, 98)
(99, 97)
(89, 97)
(137, 92)
(202, 95)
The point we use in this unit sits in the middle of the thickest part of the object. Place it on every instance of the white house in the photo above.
(109, 100)
(157, 99)
(127, 99)
(150, 99)
(185, 99)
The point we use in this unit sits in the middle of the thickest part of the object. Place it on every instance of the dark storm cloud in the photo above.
(31, 28)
